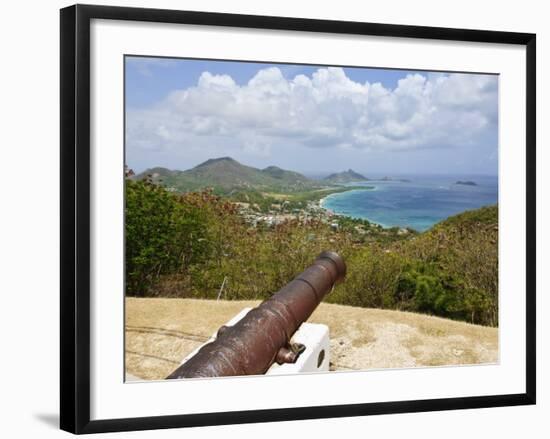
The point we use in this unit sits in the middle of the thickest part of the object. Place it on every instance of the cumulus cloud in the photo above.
(326, 109)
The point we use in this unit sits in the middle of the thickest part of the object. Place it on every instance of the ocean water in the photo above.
(419, 203)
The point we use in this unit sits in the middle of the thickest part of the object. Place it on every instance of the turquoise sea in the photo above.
(419, 202)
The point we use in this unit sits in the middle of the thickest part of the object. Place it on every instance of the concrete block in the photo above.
(315, 358)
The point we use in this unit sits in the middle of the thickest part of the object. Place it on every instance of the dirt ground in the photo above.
(161, 332)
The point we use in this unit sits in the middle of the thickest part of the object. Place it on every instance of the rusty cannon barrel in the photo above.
(263, 335)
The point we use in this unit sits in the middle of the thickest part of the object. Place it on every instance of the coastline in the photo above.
(322, 201)
(419, 207)
(352, 189)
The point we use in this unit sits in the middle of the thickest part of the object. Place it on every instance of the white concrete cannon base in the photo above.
(315, 358)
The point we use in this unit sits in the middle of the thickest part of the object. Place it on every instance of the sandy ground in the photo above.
(161, 332)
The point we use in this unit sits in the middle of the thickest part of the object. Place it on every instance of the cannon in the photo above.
(262, 337)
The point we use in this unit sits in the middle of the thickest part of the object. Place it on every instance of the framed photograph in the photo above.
(275, 218)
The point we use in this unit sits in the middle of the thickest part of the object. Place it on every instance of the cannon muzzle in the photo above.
(263, 335)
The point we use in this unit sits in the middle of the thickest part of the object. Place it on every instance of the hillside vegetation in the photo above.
(197, 245)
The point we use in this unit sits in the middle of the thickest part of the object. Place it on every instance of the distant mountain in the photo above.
(226, 174)
(159, 174)
(345, 177)
(284, 175)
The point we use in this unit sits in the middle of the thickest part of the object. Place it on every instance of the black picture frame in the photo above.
(75, 217)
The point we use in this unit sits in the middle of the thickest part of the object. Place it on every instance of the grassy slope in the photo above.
(161, 332)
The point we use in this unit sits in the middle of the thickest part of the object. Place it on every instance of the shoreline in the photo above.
(353, 189)
(387, 227)
(332, 212)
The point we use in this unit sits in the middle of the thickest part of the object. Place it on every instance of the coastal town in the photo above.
(279, 213)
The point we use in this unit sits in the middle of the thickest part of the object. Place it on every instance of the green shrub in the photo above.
(164, 234)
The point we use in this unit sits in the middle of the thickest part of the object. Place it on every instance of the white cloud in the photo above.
(327, 109)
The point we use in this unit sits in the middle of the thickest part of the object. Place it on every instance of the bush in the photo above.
(373, 273)
(164, 234)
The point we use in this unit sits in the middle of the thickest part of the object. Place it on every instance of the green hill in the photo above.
(225, 174)
(287, 176)
(345, 177)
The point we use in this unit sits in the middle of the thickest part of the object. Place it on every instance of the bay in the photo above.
(415, 201)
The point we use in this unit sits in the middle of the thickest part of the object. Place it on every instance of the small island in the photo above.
(466, 183)
(344, 177)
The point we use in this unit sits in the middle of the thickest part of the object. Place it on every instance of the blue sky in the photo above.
(312, 119)
(148, 80)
